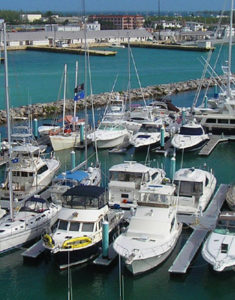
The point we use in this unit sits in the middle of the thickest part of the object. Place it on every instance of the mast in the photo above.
(230, 52)
(129, 73)
(85, 78)
(75, 102)
(8, 122)
(65, 84)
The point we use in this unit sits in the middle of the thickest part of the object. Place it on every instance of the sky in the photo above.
(113, 5)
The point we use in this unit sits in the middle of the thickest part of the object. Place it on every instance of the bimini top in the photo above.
(85, 191)
(78, 175)
(130, 166)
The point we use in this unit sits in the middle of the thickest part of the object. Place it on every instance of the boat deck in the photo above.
(201, 225)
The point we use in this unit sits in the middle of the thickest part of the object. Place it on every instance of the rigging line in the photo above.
(137, 75)
(205, 68)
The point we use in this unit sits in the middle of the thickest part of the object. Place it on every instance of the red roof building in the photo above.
(120, 21)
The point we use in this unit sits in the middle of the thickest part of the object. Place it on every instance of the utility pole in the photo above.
(159, 29)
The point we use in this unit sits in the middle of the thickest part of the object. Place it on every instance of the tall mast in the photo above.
(65, 84)
(8, 122)
(85, 78)
(75, 102)
(129, 73)
(230, 52)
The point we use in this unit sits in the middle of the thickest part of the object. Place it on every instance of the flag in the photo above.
(80, 95)
(15, 160)
(79, 88)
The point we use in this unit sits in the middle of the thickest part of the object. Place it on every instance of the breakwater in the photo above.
(44, 110)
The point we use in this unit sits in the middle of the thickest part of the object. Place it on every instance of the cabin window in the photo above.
(24, 174)
(186, 188)
(211, 121)
(42, 169)
(154, 176)
(124, 196)
(191, 131)
(74, 226)
(63, 225)
(232, 121)
(87, 227)
(223, 121)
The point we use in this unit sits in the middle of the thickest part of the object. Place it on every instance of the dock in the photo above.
(79, 51)
(169, 46)
(106, 261)
(167, 149)
(201, 225)
(34, 251)
(213, 142)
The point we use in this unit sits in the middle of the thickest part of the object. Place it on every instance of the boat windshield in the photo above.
(111, 127)
(191, 131)
(35, 206)
(126, 176)
(189, 188)
(149, 128)
(225, 227)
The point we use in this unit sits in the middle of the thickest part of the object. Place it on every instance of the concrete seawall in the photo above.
(43, 110)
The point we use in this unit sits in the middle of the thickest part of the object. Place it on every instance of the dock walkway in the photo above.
(213, 142)
(34, 251)
(201, 224)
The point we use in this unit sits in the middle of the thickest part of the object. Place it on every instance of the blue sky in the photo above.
(118, 5)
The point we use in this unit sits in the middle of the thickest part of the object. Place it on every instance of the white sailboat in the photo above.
(20, 227)
(153, 230)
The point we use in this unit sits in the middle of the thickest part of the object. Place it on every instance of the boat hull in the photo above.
(110, 143)
(61, 142)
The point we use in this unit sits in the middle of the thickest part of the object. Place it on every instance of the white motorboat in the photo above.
(72, 178)
(149, 135)
(28, 223)
(190, 137)
(230, 197)
(78, 235)
(109, 135)
(126, 179)
(153, 230)
(195, 188)
(219, 248)
(30, 173)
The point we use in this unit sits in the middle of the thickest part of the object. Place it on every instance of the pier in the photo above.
(213, 142)
(34, 251)
(68, 50)
(201, 225)
(169, 46)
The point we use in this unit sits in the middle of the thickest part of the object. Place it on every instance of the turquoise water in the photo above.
(38, 79)
(35, 77)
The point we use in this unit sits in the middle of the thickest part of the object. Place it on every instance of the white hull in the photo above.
(144, 265)
(110, 143)
(17, 239)
(61, 142)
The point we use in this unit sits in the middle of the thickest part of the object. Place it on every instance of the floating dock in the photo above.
(106, 261)
(79, 51)
(213, 142)
(201, 224)
(34, 251)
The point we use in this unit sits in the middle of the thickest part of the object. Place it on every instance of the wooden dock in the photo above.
(34, 251)
(213, 142)
(68, 50)
(201, 224)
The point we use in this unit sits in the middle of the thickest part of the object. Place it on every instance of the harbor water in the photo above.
(37, 77)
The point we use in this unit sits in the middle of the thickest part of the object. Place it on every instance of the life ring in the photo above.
(48, 241)
(76, 243)
(124, 201)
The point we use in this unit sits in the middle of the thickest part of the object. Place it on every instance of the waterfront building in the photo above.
(120, 21)
(44, 38)
(30, 17)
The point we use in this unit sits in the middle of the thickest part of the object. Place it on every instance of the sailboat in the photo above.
(222, 120)
(20, 227)
(69, 136)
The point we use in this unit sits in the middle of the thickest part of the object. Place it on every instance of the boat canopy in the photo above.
(78, 175)
(85, 191)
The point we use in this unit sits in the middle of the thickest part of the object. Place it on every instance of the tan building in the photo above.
(31, 17)
(120, 21)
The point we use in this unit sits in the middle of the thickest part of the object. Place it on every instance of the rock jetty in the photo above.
(44, 110)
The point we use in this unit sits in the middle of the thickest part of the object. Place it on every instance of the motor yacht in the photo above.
(190, 137)
(219, 248)
(149, 135)
(153, 230)
(126, 179)
(31, 173)
(194, 189)
(77, 238)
